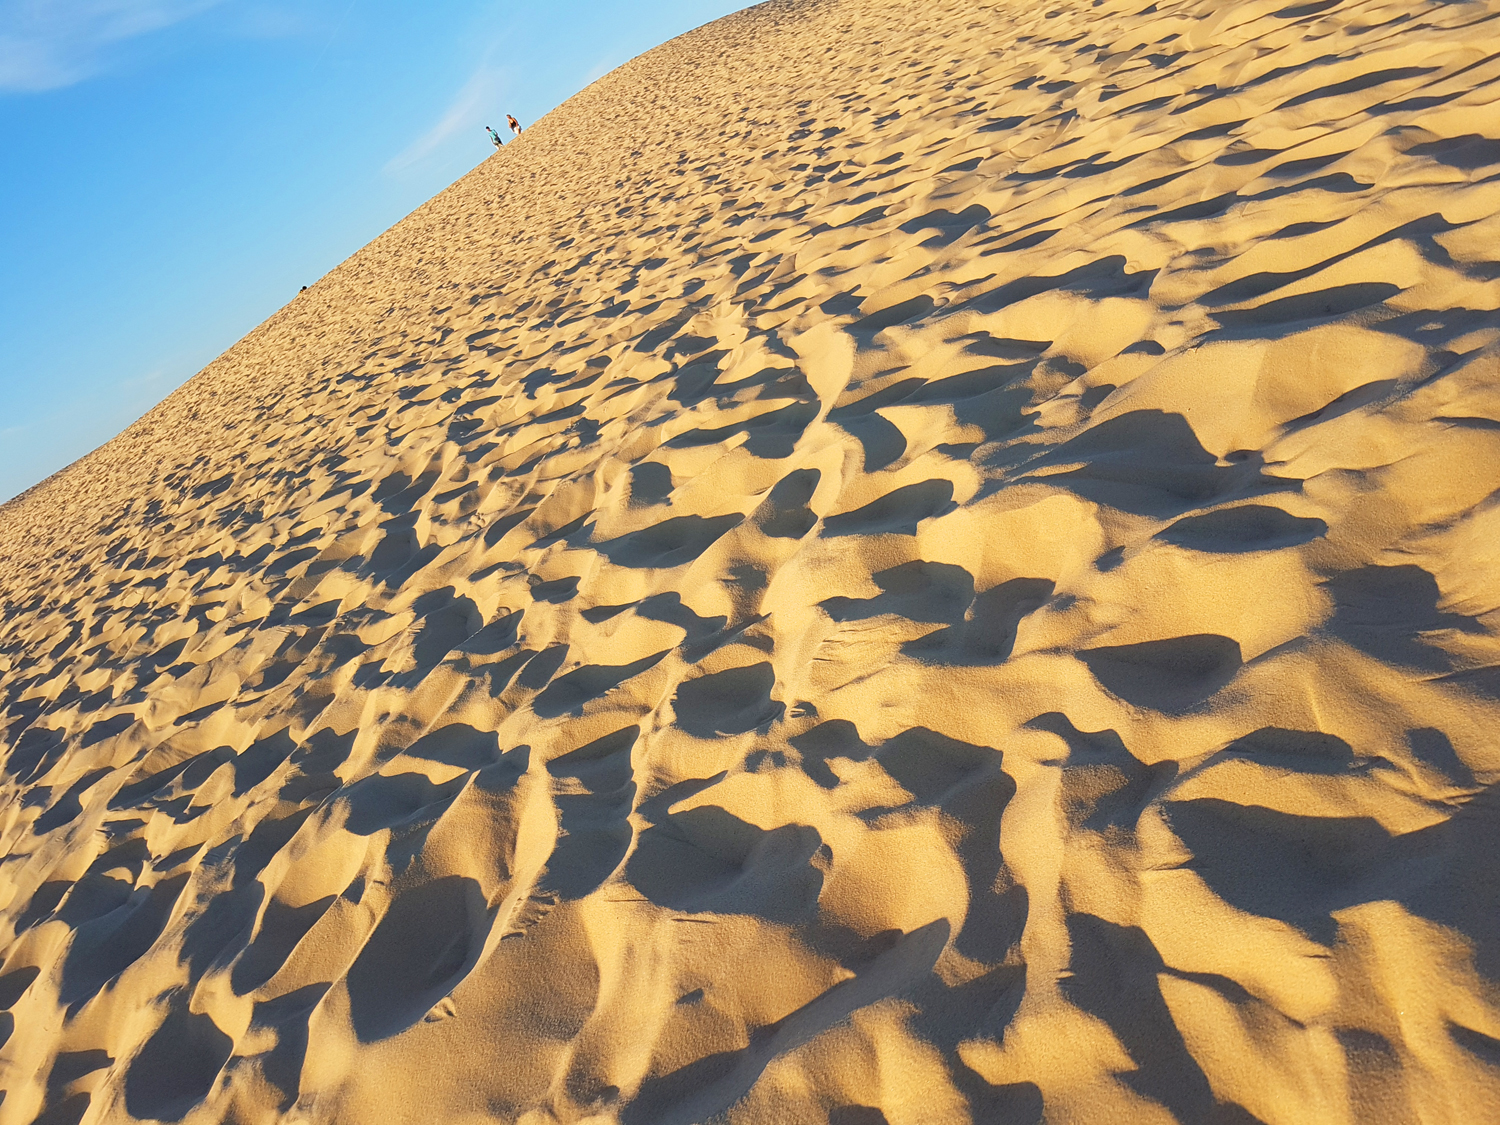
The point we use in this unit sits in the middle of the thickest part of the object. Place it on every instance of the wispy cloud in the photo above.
(601, 68)
(470, 109)
(46, 44)
(145, 379)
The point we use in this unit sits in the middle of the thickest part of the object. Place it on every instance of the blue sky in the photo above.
(172, 171)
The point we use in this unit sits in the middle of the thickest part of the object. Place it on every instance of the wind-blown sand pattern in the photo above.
(887, 562)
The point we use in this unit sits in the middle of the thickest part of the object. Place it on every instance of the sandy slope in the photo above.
(888, 562)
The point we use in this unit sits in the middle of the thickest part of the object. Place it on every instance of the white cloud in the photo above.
(271, 21)
(471, 108)
(144, 380)
(600, 69)
(46, 44)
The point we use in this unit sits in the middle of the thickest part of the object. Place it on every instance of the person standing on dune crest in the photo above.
(515, 126)
(494, 136)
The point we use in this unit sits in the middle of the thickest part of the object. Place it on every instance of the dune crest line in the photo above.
(885, 564)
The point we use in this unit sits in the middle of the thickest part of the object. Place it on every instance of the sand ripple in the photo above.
(886, 563)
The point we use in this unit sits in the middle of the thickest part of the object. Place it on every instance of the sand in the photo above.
(886, 563)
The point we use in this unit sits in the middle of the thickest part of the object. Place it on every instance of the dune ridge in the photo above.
(885, 563)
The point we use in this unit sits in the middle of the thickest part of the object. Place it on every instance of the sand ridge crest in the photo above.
(884, 563)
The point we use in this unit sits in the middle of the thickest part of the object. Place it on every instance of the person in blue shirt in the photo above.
(494, 136)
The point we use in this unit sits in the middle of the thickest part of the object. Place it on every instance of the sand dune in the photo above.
(886, 563)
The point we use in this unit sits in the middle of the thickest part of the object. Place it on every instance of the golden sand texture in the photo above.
(888, 563)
